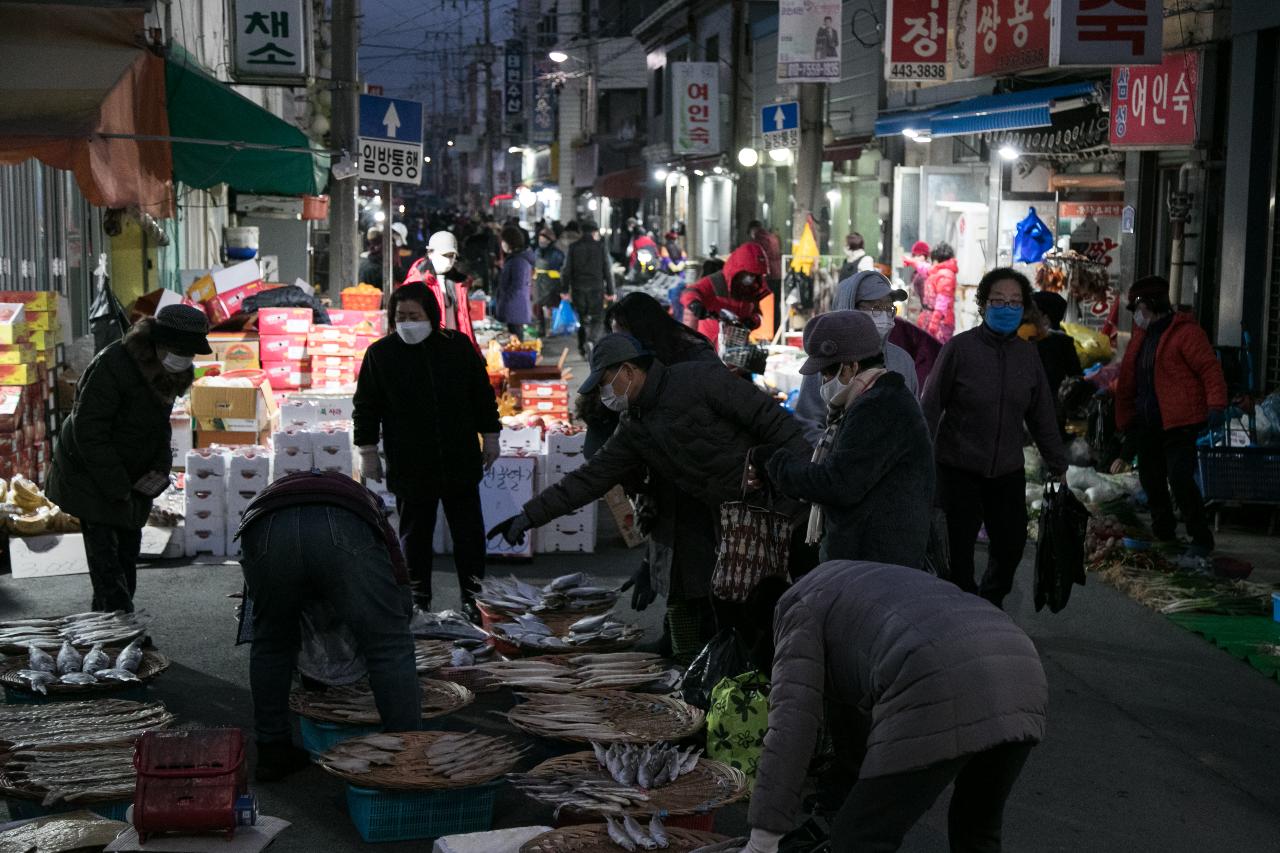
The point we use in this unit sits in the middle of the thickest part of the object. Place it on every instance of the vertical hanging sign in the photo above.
(808, 41)
(696, 95)
(513, 78)
(543, 126)
(916, 43)
(270, 40)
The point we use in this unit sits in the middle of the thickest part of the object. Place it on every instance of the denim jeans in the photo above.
(326, 552)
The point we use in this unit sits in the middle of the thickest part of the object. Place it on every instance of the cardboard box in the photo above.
(277, 348)
(41, 341)
(233, 278)
(333, 362)
(288, 375)
(506, 487)
(332, 383)
(284, 321)
(46, 556)
(17, 354)
(548, 408)
(544, 391)
(12, 322)
(363, 323)
(12, 406)
(180, 441)
(624, 516)
(236, 350)
(43, 321)
(230, 438)
(216, 405)
(34, 300)
(18, 374)
(329, 340)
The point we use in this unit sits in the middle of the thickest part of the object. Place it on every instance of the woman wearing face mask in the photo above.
(511, 296)
(424, 392)
(987, 385)
(870, 479)
(112, 455)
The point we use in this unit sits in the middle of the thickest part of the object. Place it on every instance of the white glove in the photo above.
(491, 450)
(371, 463)
(763, 841)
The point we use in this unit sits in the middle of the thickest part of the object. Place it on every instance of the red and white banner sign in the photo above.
(1156, 106)
(1107, 32)
(916, 44)
(999, 37)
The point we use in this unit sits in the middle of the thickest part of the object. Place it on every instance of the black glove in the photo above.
(642, 585)
(512, 529)
(698, 310)
(760, 455)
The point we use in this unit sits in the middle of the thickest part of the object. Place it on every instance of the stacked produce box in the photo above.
(283, 342)
(30, 358)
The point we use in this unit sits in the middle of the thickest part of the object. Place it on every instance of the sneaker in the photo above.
(278, 760)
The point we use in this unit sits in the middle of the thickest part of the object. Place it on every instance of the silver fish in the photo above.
(602, 754)
(618, 835)
(637, 833)
(565, 582)
(69, 659)
(39, 659)
(116, 674)
(658, 832)
(77, 678)
(38, 679)
(96, 659)
(130, 656)
(589, 623)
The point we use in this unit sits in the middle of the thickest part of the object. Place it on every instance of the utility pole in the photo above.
(808, 164)
(487, 148)
(746, 200)
(343, 214)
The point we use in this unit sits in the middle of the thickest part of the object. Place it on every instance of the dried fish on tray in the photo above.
(446, 625)
(95, 774)
(618, 671)
(602, 632)
(431, 655)
(567, 592)
(706, 786)
(70, 724)
(607, 716)
(354, 705)
(421, 760)
(96, 672)
(82, 629)
(595, 838)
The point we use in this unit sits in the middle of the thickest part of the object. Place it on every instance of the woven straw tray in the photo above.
(710, 785)
(153, 663)
(618, 717)
(11, 787)
(569, 674)
(412, 772)
(594, 838)
(432, 655)
(438, 698)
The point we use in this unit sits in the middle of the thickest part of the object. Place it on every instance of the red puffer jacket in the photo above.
(749, 257)
(1189, 380)
(938, 316)
(462, 311)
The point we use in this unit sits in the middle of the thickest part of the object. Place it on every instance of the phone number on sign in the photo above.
(918, 71)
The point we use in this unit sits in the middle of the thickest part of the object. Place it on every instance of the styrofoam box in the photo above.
(331, 440)
(249, 464)
(284, 466)
(204, 539)
(207, 463)
(562, 541)
(206, 515)
(563, 443)
(238, 502)
(47, 555)
(327, 407)
(503, 492)
(336, 464)
(564, 463)
(296, 413)
(201, 497)
(291, 442)
(520, 442)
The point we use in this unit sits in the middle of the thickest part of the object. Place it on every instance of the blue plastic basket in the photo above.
(18, 696)
(1248, 475)
(27, 809)
(519, 359)
(411, 815)
(319, 737)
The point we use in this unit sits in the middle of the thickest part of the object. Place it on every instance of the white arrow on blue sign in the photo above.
(779, 117)
(390, 118)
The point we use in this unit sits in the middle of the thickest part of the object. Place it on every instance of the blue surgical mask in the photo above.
(1004, 320)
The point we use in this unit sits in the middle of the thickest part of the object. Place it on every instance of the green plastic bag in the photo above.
(737, 721)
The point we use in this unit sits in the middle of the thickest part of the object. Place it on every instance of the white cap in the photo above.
(442, 242)
(400, 233)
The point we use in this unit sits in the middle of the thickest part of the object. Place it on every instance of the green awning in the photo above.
(232, 140)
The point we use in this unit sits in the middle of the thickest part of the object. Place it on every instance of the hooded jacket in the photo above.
(512, 299)
(938, 317)
(1189, 380)
(941, 674)
(117, 432)
(421, 271)
(716, 295)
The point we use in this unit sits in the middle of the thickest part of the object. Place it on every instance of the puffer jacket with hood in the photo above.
(939, 672)
(1188, 376)
(938, 316)
(716, 295)
(117, 432)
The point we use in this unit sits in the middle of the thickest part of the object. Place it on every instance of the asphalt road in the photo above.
(1157, 741)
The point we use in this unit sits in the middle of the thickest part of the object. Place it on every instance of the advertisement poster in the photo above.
(809, 41)
(695, 90)
(916, 44)
(544, 103)
(1154, 106)
(999, 37)
(1107, 32)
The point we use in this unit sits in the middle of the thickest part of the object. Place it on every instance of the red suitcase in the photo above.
(188, 781)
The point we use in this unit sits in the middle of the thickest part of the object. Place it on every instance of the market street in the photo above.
(1157, 740)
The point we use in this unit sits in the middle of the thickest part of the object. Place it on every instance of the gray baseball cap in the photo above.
(870, 285)
(609, 352)
(839, 337)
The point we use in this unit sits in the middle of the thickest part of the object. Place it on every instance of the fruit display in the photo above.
(27, 512)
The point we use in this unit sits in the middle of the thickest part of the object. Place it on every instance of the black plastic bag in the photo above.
(1060, 550)
(725, 656)
(107, 319)
(287, 297)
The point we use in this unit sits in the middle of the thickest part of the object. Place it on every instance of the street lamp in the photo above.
(558, 56)
(515, 149)
(660, 174)
(449, 143)
(1008, 152)
(426, 158)
(749, 157)
(781, 156)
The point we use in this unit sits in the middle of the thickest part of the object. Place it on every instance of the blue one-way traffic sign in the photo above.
(390, 139)
(780, 125)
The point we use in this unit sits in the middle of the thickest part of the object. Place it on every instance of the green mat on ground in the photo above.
(1242, 636)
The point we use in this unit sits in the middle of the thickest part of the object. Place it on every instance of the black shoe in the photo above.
(422, 602)
(472, 612)
(278, 760)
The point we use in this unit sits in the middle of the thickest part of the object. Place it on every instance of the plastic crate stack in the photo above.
(575, 532)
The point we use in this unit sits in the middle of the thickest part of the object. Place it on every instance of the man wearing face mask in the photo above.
(1169, 390)
(112, 456)
(872, 294)
(987, 387)
(439, 272)
(694, 422)
(734, 291)
(424, 391)
(870, 478)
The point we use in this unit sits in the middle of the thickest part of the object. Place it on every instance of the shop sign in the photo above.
(809, 41)
(999, 37)
(780, 125)
(544, 102)
(513, 78)
(916, 40)
(695, 88)
(1107, 32)
(1156, 106)
(270, 40)
(1128, 219)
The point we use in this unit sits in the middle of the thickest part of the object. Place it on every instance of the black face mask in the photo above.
(743, 285)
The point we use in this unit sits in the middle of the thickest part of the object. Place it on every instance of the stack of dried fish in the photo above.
(354, 704)
(69, 723)
(585, 793)
(103, 773)
(468, 759)
(618, 670)
(430, 655)
(608, 716)
(530, 631)
(649, 766)
(446, 625)
(567, 592)
(70, 667)
(421, 760)
(82, 629)
(358, 755)
(631, 836)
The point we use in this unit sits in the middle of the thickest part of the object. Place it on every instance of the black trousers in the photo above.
(1167, 461)
(880, 811)
(112, 554)
(589, 304)
(466, 527)
(970, 500)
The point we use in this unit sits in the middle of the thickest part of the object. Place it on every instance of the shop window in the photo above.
(711, 52)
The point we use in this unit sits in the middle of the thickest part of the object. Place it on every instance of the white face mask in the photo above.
(833, 388)
(1141, 319)
(883, 321)
(441, 263)
(413, 332)
(175, 363)
(612, 400)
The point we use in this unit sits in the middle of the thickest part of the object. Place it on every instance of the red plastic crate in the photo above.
(188, 781)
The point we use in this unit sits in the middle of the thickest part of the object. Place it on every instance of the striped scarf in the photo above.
(835, 414)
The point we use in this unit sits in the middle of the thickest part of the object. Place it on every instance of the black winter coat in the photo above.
(118, 431)
(429, 402)
(876, 482)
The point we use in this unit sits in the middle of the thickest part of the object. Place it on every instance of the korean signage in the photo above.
(695, 89)
(808, 41)
(1156, 106)
(1000, 37)
(513, 79)
(916, 44)
(270, 39)
(390, 140)
(780, 125)
(1107, 32)
(543, 128)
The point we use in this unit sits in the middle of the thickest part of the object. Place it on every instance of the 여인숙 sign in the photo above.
(1156, 106)
(695, 88)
